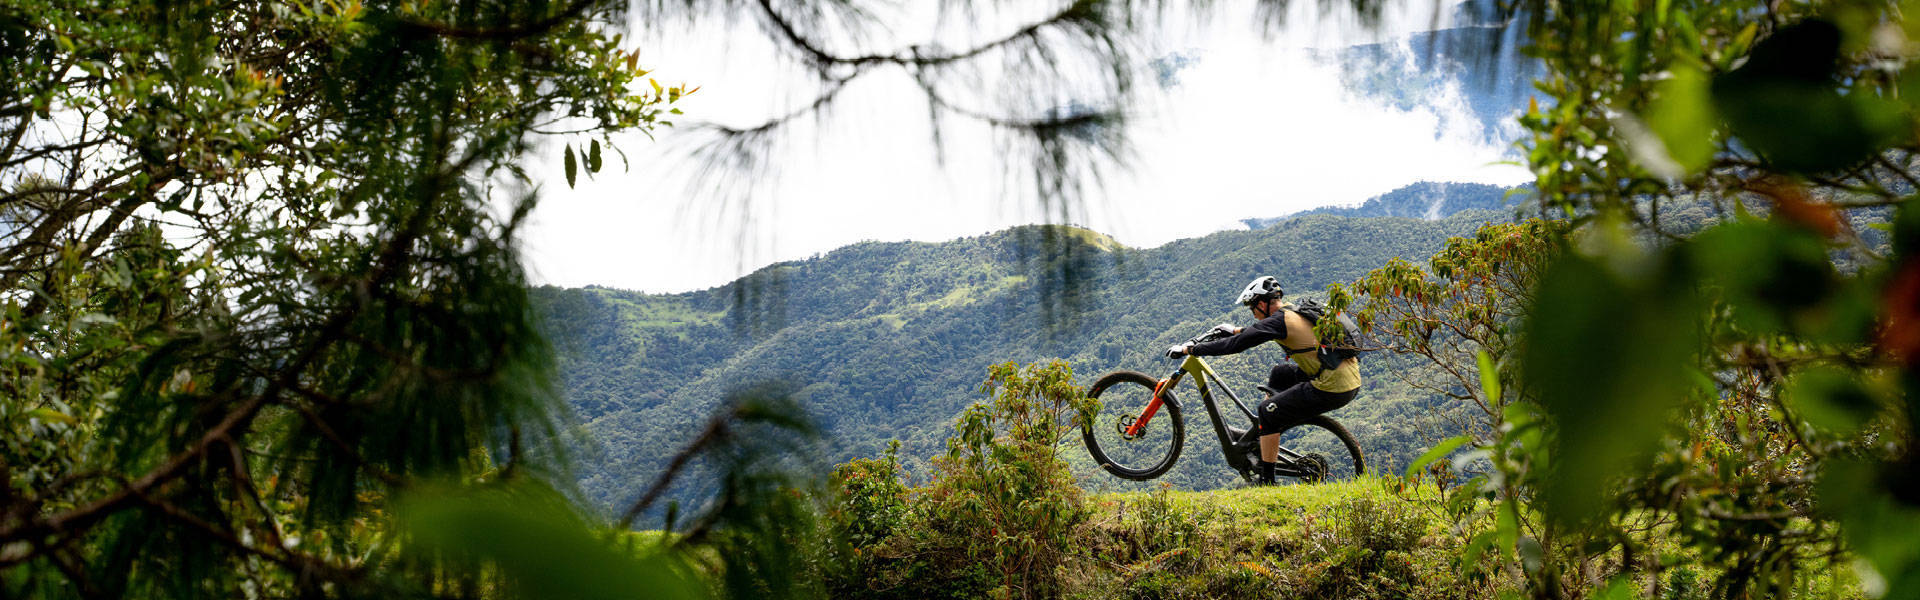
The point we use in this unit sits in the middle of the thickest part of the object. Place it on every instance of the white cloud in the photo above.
(1255, 129)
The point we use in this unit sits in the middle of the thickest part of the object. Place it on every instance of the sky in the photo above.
(1253, 128)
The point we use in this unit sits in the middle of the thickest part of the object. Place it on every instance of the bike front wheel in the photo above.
(1148, 452)
(1322, 450)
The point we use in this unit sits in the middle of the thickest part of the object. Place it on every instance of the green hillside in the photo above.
(889, 340)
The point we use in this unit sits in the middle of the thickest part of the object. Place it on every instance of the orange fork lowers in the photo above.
(1153, 406)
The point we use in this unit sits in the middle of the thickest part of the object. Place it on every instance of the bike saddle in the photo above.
(1265, 390)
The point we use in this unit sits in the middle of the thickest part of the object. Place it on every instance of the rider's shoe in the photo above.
(1263, 473)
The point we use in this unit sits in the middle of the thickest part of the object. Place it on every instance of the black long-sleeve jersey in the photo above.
(1272, 328)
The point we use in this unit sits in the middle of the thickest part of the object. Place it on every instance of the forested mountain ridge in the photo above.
(1422, 200)
(890, 340)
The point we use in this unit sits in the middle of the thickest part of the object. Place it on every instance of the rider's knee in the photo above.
(1272, 416)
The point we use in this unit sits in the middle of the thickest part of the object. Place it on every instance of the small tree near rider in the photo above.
(1296, 391)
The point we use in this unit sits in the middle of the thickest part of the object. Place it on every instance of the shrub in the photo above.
(870, 499)
(997, 520)
(1002, 492)
(867, 508)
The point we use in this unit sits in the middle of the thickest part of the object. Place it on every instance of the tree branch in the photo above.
(715, 430)
(516, 32)
(913, 55)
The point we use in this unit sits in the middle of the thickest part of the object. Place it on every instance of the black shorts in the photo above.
(1295, 400)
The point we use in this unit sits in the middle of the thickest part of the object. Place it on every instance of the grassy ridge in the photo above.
(1374, 537)
(1350, 539)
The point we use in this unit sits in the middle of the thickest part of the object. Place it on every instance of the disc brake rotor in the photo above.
(1313, 468)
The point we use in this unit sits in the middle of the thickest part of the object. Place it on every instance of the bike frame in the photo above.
(1234, 447)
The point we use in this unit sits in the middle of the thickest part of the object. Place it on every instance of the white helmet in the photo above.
(1260, 289)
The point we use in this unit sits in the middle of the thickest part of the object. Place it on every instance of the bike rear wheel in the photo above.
(1327, 451)
(1123, 397)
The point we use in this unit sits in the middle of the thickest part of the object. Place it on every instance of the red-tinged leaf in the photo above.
(1794, 205)
(1901, 334)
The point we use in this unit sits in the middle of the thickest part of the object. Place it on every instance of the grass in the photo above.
(1365, 538)
(1369, 538)
(639, 317)
(956, 297)
(1353, 539)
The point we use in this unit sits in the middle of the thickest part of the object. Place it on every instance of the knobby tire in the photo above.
(1123, 394)
(1352, 464)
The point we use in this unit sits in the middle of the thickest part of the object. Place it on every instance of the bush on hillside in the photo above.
(997, 520)
(868, 506)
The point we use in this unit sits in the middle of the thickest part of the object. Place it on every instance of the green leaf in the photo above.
(1506, 527)
(1438, 451)
(1518, 415)
(1532, 556)
(1682, 119)
(1470, 556)
(1830, 399)
(1878, 526)
(1609, 353)
(1744, 40)
(572, 167)
(51, 415)
(1489, 377)
(593, 157)
(1620, 588)
(1787, 103)
(542, 549)
(1772, 275)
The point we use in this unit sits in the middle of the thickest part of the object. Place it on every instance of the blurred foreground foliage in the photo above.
(1741, 385)
(263, 326)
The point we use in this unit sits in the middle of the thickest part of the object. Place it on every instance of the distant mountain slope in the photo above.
(891, 340)
(1422, 200)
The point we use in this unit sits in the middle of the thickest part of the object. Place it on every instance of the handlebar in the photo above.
(1208, 336)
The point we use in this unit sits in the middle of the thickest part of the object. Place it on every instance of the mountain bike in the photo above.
(1138, 432)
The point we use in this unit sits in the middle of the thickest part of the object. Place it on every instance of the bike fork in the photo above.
(1153, 406)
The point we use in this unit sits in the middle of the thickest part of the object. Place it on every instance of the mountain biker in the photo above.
(1297, 391)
